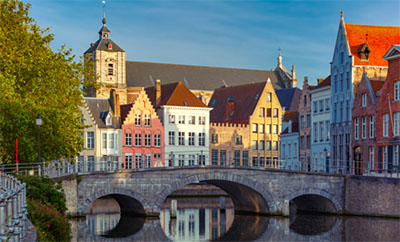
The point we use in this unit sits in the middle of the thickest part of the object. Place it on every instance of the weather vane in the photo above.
(279, 49)
(104, 8)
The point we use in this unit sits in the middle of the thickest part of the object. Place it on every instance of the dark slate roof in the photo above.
(102, 44)
(125, 109)
(99, 108)
(175, 94)
(144, 74)
(295, 128)
(290, 115)
(289, 98)
(244, 97)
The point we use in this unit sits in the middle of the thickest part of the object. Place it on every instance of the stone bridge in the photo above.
(253, 190)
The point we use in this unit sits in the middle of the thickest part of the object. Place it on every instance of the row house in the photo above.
(320, 121)
(358, 49)
(289, 140)
(102, 134)
(376, 121)
(186, 120)
(143, 134)
(245, 126)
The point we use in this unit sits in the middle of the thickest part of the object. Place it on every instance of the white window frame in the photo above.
(181, 119)
(364, 100)
(138, 119)
(171, 118)
(202, 139)
(385, 123)
(364, 127)
(181, 138)
(147, 120)
(397, 91)
(202, 120)
(371, 126)
(90, 140)
(128, 139)
(171, 138)
(396, 124)
(356, 128)
(147, 140)
(192, 119)
(192, 138)
(138, 140)
(157, 140)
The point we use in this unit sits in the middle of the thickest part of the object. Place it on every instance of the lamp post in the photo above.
(39, 123)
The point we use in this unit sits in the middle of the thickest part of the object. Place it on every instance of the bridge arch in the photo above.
(313, 193)
(246, 194)
(128, 200)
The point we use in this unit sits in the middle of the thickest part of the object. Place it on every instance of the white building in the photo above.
(289, 139)
(320, 131)
(186, 124)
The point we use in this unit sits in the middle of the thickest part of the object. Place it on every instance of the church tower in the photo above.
(109, 64)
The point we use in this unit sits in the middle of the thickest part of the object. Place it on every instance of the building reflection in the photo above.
(101, 224)
(197, 218)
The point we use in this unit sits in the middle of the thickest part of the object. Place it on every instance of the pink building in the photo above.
(143, 134)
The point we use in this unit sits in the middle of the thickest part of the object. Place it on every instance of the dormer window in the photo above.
(109, 120)
(110, 69)
(364, 52)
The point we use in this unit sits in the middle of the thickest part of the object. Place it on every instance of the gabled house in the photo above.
(289, 141)
(186, 124)
(388, 117)
(143, 134)
(245, 125)
(363, 139)
(102, 136)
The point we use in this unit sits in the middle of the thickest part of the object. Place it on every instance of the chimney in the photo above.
(229, 108)
(319, 80)
(293, 72)
(290, 126)
(306, 80)
(115, 105)
(157, 90)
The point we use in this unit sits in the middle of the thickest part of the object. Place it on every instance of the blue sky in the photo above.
(230, 33)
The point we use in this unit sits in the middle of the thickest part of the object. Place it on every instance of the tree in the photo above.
(34, 80)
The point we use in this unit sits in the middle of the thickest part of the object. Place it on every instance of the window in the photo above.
(137, 119)
(202, 139)
(236, 157)
(262, 112)
(157, 156)
(147, 160)
(128, 161)
(214, 157)
(111, 141)
(255, 161)
(181, 119)
(269, 97)
(238, 139)
(181, 160)
(275, 112)
(157, 140)
(321, 105)
(289, 148)
(396, 124)
(371, 127)
(171, 119)
(308, 142)
(268, 145)
(275, 129)
(255, 128)
(396, 155)
(327, 104)
(110, 69)
(109, 120)
(171, 138)
(90, 140)
(202, 160)
(147, 120)
(261, 145)
(321, 131)
(315, 132)
(308, 120)
(397, 91)
(147, 140)
(214, 138)
(222, 157)
(385, 125)
(315, 106)
(356, 128)
(385, 158)
(363, 127)
(371, 158)
(138, 139)
(192, 120)
(328, 130)
(275, 145)
(364, 100)
(104, 143)
(191, 160)
(302, 123)
(255, 145)
(268, 112)
(245, 158)
(202, 120)
(267, 128)
(138, 161)
(181, 138)
(305, 100)
(128, 139)
(191, 138)
(261, 126)
(171, 159)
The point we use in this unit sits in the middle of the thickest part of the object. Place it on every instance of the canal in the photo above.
(206, 213)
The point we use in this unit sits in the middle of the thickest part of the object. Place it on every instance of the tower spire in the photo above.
(104, 12)
(279, 58)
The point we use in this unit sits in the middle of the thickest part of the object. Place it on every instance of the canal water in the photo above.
(210, 216)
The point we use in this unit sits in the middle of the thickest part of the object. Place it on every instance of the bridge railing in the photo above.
(13, 208)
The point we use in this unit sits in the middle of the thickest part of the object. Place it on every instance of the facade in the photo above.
(320, 121)
(388, 117)
(103, 135)
(143, 134)
(364, 125)
(186, 122)
(358, 49)
(289, 139)
(305, 127)
(245, 125)
(128, 77)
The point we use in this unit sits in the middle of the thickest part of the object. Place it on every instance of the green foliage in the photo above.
(34, 80)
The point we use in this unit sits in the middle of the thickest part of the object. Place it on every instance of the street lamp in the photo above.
(39, 123)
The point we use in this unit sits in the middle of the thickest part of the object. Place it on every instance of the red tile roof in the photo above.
(244, 99)
(380, 39)
(376, 85)
(290, 115)
(324, 83)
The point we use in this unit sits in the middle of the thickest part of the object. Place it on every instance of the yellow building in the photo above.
(245, 125)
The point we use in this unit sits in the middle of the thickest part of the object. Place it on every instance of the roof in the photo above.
(295, 128)
(289, 98)
(290, 115)
(393, 52)
(175, 94)
(144, 74)
(99, 109)
(326, 82)
(378, 38)
(102, 44)
(125, 109)
(244, 99)
(376, 85)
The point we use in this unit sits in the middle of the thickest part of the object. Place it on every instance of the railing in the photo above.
(13, 208)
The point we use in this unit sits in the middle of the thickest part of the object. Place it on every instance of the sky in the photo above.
(221, 33)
